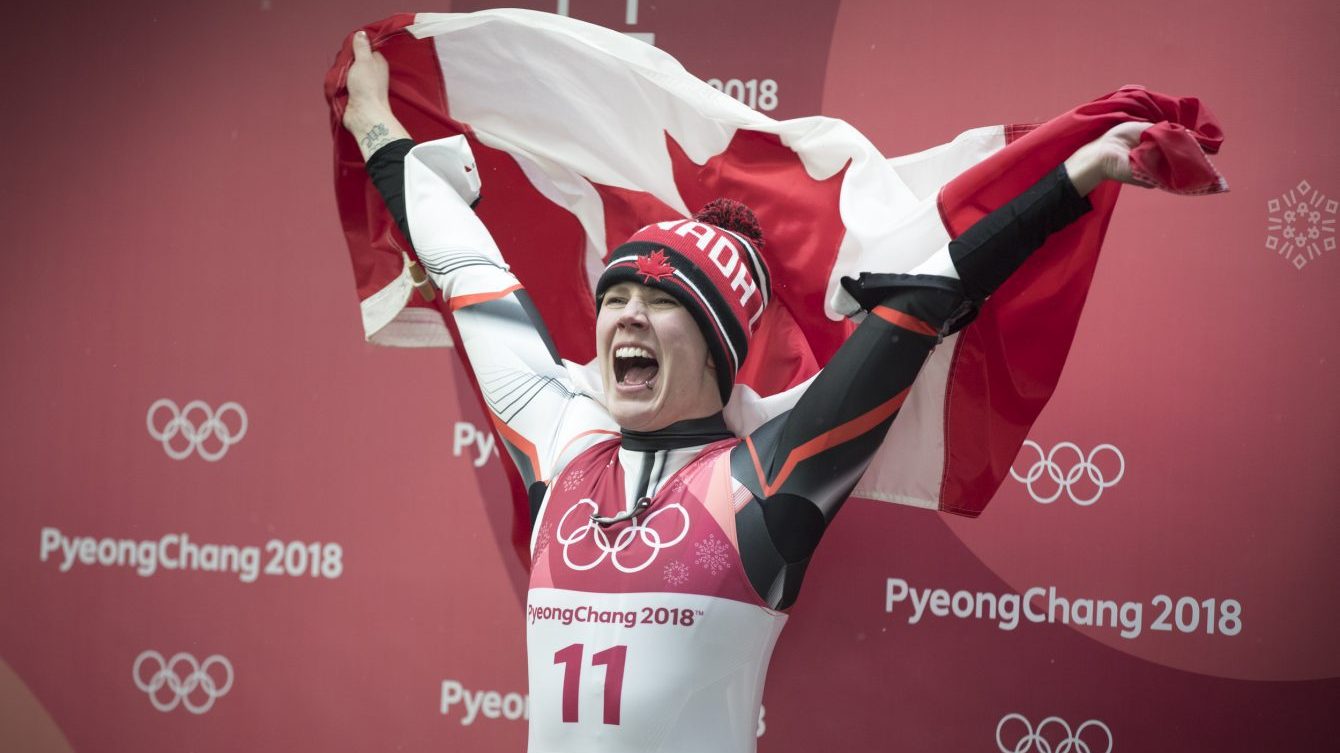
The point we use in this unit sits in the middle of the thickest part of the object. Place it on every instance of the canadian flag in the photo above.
(582, 135)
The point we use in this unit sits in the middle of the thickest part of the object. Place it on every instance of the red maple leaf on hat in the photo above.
(654, 266)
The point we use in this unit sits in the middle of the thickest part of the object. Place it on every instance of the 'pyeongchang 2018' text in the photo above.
(629, 618)
(1039, 604)
(176, 551)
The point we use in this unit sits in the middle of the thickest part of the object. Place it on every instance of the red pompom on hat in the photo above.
(732, 215)
(712, 265)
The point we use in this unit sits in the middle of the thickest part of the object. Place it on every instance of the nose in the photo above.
(633, 315)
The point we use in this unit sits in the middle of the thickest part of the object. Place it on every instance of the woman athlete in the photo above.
(664, 547)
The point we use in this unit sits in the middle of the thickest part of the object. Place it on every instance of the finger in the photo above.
(362, 48)
(1130, 131)
(1139, 128)
(1141, 182)
(1132, 178)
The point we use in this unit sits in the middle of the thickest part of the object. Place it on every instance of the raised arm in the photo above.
(801, 466)
(367, 115)
(542, 413)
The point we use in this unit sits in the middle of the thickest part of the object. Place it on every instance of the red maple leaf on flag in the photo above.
(654, 266)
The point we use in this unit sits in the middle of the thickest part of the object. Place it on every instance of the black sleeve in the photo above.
(988, 252)
(386, 167)
(801, 466)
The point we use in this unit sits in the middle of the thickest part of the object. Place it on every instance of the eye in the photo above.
(665, 301)
(615, 300)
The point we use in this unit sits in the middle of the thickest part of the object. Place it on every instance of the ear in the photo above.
(711, 362)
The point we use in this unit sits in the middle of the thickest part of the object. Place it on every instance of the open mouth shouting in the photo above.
(635, 368)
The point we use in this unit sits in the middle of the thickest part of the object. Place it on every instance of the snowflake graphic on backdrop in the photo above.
(571, 480)
(1302, 224)
(713, 554)
(676, 573)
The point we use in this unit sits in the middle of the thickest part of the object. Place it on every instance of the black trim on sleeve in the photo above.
(386, 167)
(987, 253)
(535, 495)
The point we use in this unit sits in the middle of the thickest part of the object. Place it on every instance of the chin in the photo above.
(628, 415)
(637, 411)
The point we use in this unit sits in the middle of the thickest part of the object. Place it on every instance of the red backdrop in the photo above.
(172, 238)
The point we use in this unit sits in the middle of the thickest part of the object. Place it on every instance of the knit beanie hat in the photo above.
(712, 265)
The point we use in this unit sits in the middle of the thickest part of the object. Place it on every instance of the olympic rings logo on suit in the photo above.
(638, 529)
(1035, 741)
(183, 688)
(181, 422)
(1065, 481)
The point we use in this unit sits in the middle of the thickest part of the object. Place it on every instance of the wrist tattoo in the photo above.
(376, 137)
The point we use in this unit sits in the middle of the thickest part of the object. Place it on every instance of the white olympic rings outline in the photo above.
(181, 423)
(1032, 740)
(637, 529)
(1084, 465)
(182, 688)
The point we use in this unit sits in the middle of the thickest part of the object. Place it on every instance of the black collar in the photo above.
(686, 433)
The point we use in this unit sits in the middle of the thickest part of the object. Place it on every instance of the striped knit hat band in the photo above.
(717, 274)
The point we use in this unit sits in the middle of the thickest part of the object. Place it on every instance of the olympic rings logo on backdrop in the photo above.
(195, 424)
(1041, 740)
(1065, 481)
(183, 689)
(638, 530)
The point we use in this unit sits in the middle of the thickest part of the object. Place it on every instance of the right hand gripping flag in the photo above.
(582, 135)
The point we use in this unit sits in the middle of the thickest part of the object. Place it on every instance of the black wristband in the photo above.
(393, 150)
(386, 168)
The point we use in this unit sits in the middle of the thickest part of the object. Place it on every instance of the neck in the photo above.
(686, 433)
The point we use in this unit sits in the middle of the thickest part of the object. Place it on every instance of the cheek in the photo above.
(604, 326)
(690, 348)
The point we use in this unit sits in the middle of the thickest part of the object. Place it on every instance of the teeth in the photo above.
(631, 352)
